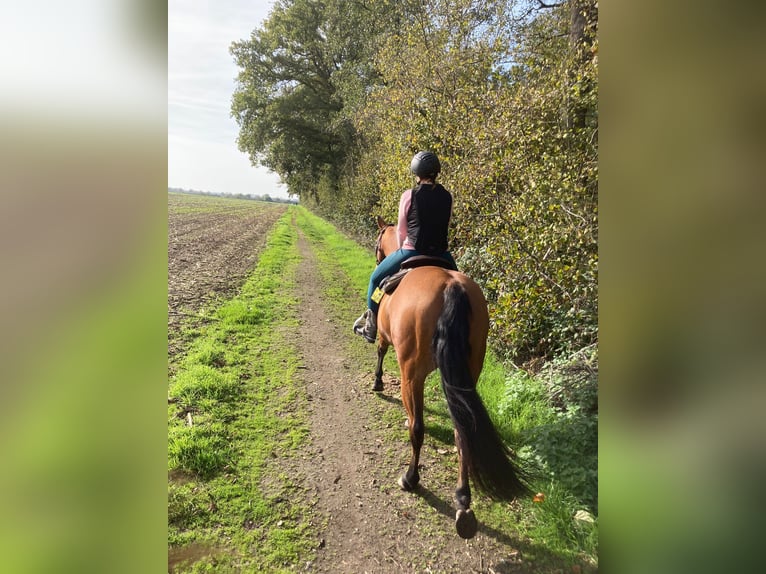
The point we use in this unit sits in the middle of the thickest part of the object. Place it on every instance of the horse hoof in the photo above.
(402, 482)
(378, 386)
(465, 523)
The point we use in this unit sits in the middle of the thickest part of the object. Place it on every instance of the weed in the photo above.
(211, 353)
(186, 504)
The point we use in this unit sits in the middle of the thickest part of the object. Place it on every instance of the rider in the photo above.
(424, 215)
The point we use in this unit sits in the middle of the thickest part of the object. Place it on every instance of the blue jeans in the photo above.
(391, 265)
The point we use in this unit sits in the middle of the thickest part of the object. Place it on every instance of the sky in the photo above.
(202, 146)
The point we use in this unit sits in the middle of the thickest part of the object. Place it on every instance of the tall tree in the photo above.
(301, 71)
(285, 100)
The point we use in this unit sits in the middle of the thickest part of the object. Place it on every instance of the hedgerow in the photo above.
(338, 96)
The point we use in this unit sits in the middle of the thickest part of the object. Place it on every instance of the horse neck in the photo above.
(390, 236)
(387, 241)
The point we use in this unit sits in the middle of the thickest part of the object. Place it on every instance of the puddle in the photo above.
(188, 554)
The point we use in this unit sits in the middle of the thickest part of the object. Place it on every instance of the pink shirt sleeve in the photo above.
(401, 224)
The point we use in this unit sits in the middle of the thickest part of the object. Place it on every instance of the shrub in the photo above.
(556, 413)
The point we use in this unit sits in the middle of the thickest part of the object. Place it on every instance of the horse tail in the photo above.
(489, 461)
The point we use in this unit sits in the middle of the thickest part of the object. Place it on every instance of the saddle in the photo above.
(390, 283)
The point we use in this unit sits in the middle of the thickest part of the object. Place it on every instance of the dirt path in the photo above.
(345, 448)
(371, 525)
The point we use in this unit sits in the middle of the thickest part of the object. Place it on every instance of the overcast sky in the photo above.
(202, 148)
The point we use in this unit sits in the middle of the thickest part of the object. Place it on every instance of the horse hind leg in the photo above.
(411, 478)
(465, 520)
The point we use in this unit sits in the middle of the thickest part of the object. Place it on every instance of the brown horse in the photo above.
(438, 318)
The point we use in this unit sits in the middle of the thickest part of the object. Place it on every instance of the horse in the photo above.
(438, 318)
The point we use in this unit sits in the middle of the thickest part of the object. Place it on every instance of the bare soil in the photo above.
(210, 252)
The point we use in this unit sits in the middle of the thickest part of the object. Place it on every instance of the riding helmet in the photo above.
(425, 164)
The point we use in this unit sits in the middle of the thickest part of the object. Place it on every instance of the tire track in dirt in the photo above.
(371, 525)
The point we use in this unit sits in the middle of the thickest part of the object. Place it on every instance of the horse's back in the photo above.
(423, 290)
(408, 317)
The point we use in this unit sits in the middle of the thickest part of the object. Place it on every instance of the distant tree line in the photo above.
(256, 197)
(337, 95)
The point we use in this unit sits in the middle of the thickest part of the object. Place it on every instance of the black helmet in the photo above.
(425, 164)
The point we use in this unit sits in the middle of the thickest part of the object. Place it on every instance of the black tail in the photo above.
(489, 461)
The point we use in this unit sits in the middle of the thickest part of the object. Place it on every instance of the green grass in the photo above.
(520, 408)
(338, 253)
(236, 385)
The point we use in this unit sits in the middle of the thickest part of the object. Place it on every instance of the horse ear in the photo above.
(381, 222)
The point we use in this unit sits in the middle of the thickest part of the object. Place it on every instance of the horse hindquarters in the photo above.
(482, 453)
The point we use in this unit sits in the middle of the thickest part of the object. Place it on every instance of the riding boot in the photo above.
(371, 328)
(367, 326)
(359, 323)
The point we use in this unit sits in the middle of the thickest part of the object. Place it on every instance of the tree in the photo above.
(507, 98)
(285, 100)
(301, 73)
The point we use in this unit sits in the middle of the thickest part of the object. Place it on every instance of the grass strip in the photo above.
(235, 410)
